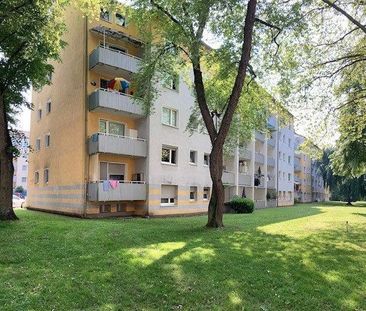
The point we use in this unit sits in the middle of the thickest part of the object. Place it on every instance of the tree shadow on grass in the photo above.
(167, 264)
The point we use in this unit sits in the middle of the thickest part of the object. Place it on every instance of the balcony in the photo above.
(228, 178)
(271, 142)
(271, 123)
(103, 100)
(245, 154)
(114, 144)
(245, 180)
(271, 184)
(271, 162)
(260, 136)
(112, 62)
(125, 191)
(297, 180)
(259, 158)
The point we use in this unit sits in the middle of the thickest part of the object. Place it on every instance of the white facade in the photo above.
(286, 166)
(21, 165)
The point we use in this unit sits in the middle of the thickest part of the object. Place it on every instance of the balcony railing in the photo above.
(124, 191)
(110, 61)
(114, 102)
(259, 157)
(245, 180)
(115, 144)
(259, 136)
(271, 162)
(245, 153)
(228, 178)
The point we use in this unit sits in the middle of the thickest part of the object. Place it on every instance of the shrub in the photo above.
(242, 205)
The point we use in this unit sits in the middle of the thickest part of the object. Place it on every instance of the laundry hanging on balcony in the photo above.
(119, 84)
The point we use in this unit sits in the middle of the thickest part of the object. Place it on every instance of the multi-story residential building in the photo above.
(302, 170)
(95, 151)
(286, 165)
(21, 164)
(319, 192)
(252, 169)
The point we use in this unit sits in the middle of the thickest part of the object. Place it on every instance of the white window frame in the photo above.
(49, 140)
(38, 146)
(195, 193)
(115, 19)
(169, 82)
(171, 202)
(48, 175)
(109, 20)
(208, 193)
(36, 177)
(170, 148)
(195, 157)
(208, 159)
(107, 127)
(171, 110)
(48, 106)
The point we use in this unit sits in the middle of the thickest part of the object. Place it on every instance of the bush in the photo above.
(242, 205)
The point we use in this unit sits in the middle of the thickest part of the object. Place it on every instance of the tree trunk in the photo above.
(216, 205)
(6, 167)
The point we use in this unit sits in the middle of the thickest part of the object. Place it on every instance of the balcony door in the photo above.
(112, 171)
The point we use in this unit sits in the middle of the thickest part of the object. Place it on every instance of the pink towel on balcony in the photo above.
(113, 183)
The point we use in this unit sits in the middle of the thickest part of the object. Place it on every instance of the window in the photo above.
(39, 114)
(168, 195)
(283, 175)
(169, 117)
(279, 174)
(24, 179)
(283, 156)
(38, 144)
(24, 167)
(280, 154)
(121, 207)
(49, 77)
(104, 15)
(206, 159)
(36, 177)
(111, 171)
(120, 20)
(113, 128)
(206, 193)
(46, 175)
(283, 138)
(48, 107)
(289, 159)
(47, 140)
(193, 157)
(172, 82)
(289, 142)
(169, 155)
(289, 177)
(193, 193)
(105, 208)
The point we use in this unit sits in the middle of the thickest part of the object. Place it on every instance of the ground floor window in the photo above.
(105, 208)
(206, 193)
(121, 207)
(193, 193)
(168, 195)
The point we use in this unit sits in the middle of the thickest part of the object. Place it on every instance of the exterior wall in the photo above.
(286, 166)
(65, 156)
(183, 174)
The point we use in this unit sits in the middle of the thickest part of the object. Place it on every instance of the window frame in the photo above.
(195, 154)
(46, 180)
(125, 19)
(107, 127)
(171, 149)
(36, 177)
(171, 110)
(38, 144)
(48, 107)
(47, 143)
(208, 159)
(208, 193)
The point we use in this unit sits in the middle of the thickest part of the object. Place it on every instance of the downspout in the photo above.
(277, 149)
(86, 156)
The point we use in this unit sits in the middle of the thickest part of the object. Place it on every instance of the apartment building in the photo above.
(21, 164)
(286, 137)
(96, 154)
(303, 172)
(319, 192)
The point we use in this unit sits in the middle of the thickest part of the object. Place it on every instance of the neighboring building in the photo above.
(251, 170)
(319, 193)
(21, 165)
(303, 173)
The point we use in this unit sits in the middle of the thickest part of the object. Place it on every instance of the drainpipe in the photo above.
(86, 155)
(277, 149)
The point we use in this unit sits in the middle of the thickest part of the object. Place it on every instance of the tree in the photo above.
(181, 25)
(30, 38)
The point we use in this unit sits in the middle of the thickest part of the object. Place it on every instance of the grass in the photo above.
(299, 258)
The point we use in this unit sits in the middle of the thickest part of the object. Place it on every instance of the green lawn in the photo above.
(297, 258)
